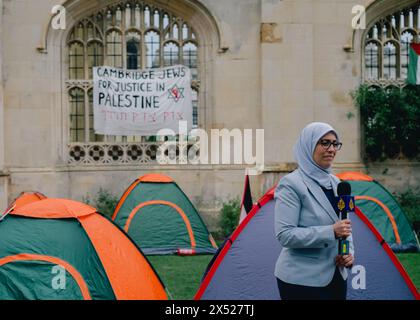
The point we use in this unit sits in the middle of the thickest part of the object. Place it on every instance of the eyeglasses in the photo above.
(326, 144)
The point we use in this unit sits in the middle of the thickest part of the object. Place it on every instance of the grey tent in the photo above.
(244, 267)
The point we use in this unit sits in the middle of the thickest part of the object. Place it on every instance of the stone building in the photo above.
(257, 64)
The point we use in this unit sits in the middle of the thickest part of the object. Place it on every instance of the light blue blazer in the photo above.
(304, 219)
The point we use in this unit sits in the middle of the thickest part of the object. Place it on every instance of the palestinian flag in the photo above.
(246, 204)
(414, 64)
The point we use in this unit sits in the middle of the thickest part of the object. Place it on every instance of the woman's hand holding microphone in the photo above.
(342, 229)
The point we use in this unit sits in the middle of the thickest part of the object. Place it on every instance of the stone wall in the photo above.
(270, 64)
(207, 188)
(396, 176)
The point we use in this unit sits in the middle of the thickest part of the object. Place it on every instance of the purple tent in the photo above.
(244, 267)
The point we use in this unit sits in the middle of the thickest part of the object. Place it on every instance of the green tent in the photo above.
(161, 219)
(59, 249)
(383, 211)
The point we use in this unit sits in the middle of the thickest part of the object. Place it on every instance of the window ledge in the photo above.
(382, 82)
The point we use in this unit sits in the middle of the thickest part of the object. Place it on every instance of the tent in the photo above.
(383, 211)
(61, 249)
(25, 197)
(244, 268)
(161, 219)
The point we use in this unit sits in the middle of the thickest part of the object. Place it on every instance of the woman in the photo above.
(306, 223)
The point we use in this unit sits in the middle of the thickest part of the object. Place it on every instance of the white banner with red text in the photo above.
(141, 102)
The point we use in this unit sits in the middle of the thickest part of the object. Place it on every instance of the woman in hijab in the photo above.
(306, 222)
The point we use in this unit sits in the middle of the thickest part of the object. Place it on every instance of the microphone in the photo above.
(343, 189)
(345, 204)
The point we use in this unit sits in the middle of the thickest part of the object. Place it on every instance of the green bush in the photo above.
(229, 217)
(391, 121)
(410, 202)
(104, 202)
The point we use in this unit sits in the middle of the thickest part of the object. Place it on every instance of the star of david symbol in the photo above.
(176, 93)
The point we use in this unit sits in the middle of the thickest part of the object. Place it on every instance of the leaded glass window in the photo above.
(77, 114)
(387, 42)
(131, 35)
(372, 60)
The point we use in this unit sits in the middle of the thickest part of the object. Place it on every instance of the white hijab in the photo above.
(304, 150)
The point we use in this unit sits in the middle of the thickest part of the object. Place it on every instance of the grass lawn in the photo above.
(181, 275)
(411, 263)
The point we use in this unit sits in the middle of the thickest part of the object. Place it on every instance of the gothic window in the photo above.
(406, 38)
(387, 43)
(130, 35)
(95, 55)
(133, 50)
(76, 61)
(390, 61)
(372, 60)
(195, 106)
(77, 114)
(152, 40)
(114, 48)
(170, 54)
(189, 56)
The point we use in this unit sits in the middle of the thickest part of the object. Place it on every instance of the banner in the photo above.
(141, 102)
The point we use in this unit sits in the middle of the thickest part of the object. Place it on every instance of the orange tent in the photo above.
(25, 197)
(99, 261)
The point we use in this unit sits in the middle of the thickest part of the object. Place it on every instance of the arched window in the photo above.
(130, 35)
(390, 61)
(152, 40)
(95, 55)
(175, 31)
(76, 61)
(77, 115)
(372, 60)
(114, 49)
(406, 38)
(387, 42)
(170, 54)
(133, 50)
(190, 57)
(146, 17)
